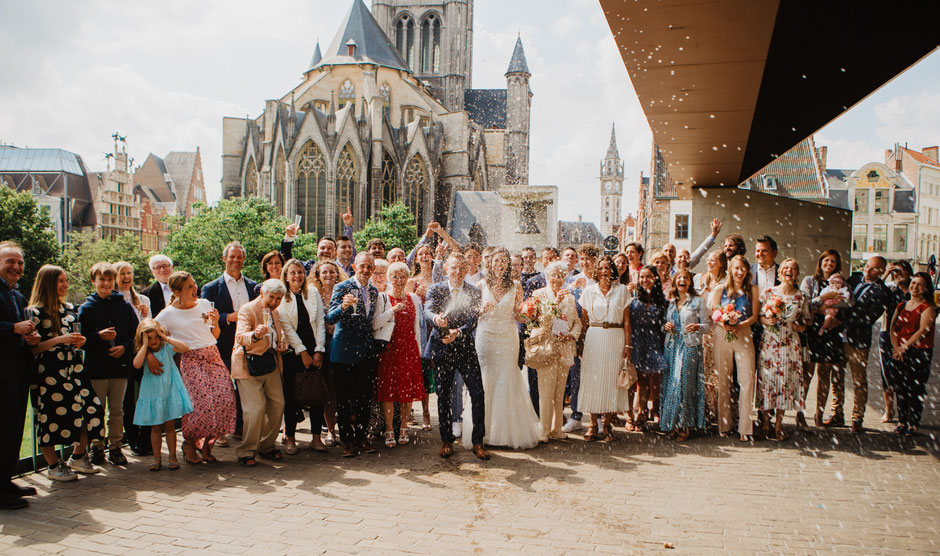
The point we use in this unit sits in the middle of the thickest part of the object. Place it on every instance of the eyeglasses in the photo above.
(161, 266)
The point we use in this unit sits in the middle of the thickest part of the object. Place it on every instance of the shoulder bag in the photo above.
(260, 365)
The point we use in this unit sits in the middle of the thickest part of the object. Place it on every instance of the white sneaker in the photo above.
(83, 465)
(458, 429)
(572, 425)
(60, 472)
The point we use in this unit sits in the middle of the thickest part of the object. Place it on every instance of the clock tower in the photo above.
(611, 188)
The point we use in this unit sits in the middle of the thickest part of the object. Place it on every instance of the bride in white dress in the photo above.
(510, 418)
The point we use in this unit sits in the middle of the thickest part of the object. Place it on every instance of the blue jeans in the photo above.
(574, 384)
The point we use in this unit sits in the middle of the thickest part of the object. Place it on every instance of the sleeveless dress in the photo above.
(509, 416)
(162, 397)
(400, 377)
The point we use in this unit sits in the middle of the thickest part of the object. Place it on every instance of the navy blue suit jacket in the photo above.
(463, 317)
(353, 337)
(217, 292)
(869, 305)
(19, 362)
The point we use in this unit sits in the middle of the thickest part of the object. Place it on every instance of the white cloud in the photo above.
(914, 119)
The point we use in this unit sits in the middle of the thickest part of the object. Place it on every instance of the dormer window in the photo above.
(351, 48)
(769, 182)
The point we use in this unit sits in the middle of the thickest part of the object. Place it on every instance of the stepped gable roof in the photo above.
(797, 175)
(517, 64)
(15, 159)
(372, 45)
(486, 107)
(612, 151)
(576, 233)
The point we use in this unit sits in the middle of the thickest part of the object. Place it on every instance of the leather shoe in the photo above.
(367, 448)
(479, 452)
(17, 490)
(857, 427)
(11, 502)
(835, 420)
(447, 450)
(350, 452)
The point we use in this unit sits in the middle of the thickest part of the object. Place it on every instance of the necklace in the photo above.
(606, 303)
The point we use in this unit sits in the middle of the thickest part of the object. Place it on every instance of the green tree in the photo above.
(395, 226)
(196, 245)
(23, 221)
(84, 249)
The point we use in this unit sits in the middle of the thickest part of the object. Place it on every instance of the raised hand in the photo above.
(347, 217)
(716, 227)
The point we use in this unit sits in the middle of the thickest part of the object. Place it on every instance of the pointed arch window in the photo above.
(311, 189)
(415, 188)
(389, 179)
(280, 181)
(347, 185)
(405, 40)
(251, 179)
(431, 45)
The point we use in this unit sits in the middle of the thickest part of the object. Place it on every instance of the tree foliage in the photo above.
(395, 226)
(196, 245)
(23, 221)
(84, 249)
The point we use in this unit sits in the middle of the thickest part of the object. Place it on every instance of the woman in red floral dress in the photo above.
(400, 377)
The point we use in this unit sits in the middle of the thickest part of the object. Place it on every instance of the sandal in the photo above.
(779, 436)
(427, 423)
(189, 454)
(155, 466)
(329, 441)
(746, 438)
(390, 439)
(591, 434)
(403, 436)
(174, 465)
(247, 461)
(290, 446)
(900, 429)
(801, 423)
(274, 455)
(682, 436)
(887, 416)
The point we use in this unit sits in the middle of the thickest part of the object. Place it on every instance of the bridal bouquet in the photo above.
(774, 308)
(727, 316)
(534, 307)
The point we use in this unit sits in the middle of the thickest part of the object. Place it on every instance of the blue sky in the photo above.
(165, 73)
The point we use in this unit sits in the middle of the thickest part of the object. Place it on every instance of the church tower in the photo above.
(518, 109)
(611, 187)
(435, 38)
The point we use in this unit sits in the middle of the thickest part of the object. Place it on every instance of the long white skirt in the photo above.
(600, 366)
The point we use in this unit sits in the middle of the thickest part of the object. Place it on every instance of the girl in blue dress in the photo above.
(163, 397)
(647, 318)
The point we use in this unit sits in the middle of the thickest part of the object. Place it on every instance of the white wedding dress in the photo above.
(510, 418)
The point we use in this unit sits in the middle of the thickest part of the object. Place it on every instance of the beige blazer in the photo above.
(566, 349)
(249, 317)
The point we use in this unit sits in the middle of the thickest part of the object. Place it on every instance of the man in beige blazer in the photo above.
(262, 397)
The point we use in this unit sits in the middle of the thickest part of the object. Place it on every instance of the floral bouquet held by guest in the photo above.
(727, 316)
(773, 309)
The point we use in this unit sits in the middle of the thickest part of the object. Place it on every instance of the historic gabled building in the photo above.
(117, 201)
(174, 181)
(384, 114)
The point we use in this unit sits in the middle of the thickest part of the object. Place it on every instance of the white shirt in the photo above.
(765, 278)
(474, 279)
(364, 295)
(236, 290)
(167, 294)
(187, 326)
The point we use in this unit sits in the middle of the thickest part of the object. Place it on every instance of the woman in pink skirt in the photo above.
(192, 321)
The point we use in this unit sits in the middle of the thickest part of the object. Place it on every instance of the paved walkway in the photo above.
(828, 491)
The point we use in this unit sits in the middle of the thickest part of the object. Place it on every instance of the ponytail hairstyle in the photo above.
(176, 282)
(45, 294)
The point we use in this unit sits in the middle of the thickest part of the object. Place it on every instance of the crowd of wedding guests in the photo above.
(351, 340)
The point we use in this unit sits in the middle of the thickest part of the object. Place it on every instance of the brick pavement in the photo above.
(821, 492)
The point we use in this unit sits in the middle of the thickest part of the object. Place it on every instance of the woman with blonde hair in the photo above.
(418, 284)
(69, 411)
(135, 436)
(734, 343)
(705, 283)
(192, 321)
(324, 276)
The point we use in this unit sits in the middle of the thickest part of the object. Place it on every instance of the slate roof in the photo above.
(372, 45)
(15, 159)
(612, 151)
(575, 233)
(486, 107)
(317, 56)
(181, 166)
(797, 175)
(517, 64)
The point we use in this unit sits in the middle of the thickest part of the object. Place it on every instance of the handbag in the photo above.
(540, 351)
(627, 377)
(310, 388)
(260, 365)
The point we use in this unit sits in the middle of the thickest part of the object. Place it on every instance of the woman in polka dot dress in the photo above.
(69, 411)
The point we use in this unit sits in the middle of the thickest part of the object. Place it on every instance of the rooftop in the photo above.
(15, 159)
(371, 45)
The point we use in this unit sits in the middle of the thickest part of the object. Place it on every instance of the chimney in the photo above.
(897, 157)
(822, 152)
(931, 153)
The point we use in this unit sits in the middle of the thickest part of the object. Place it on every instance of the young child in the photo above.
(163, 397)
(836, 284)
(109, 323)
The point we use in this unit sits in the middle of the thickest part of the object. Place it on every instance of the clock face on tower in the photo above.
(607, 186)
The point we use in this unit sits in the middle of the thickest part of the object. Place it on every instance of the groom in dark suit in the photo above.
(352, 354)
(454, 307)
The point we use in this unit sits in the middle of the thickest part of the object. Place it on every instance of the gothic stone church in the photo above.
(384, 114)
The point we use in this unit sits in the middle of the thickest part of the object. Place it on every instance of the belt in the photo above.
(607, 324)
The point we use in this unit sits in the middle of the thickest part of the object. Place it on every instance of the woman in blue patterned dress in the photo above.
(647, 317)
(683, 399)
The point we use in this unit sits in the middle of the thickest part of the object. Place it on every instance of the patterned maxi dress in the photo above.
(67, 403)
(683, 388)
(780, 360)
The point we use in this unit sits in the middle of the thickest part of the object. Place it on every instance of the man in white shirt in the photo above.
(159, 292)
(764, 271)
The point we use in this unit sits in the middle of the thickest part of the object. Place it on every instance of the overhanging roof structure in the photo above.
(728, 85)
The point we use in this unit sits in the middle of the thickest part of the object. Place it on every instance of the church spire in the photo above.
(317, 56)
(612, 151)
(517, 64)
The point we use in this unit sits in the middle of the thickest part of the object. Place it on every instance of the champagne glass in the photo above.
(355, 294)
(297, 220)
(211, 307)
